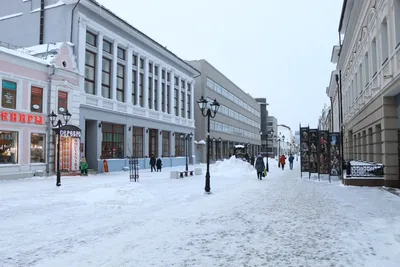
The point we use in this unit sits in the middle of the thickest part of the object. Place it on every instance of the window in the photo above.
(188, 105)
(176, 102)
(156, 70)
(150, 67)
(36, 99)
(155, 95)
(38, 148)
(397, 21)
(137, 142)
(168, 76)
(176, 81)
(9, 94)
(153, 142)
(366, 70)
(90, 70)
(142, 63)
(134, 60)
(163, 74)
(134, 87)
(106, 78)
(112, 145)
(182, 104)
(165, 144)
(168, 94)
(163, 97)
(121, 53)
(385, 41)
(107, 46)
(8, 147)
(62, 101)
(120, 82)
(149, 92)
(91, 38)
(179, 145)
(374, 58)
(141, 90)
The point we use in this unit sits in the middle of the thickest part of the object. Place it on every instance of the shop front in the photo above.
(70, 149)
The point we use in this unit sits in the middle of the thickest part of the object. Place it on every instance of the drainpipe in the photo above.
(332, 124)
(72, 20)
(49, 128)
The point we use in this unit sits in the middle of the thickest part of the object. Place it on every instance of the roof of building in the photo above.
(21, 53)
(46, 52)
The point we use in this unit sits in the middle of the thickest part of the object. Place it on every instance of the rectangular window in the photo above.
(137, 142)
(141, 89)
(91, 38)
(374, 58)
(397, 21)
(188, 105)
(62, 101)
(120, 82)
(8, 147)
(112, 145)
(134, 60)
(106, 78)
(36, 99)
(156, 70)
(9, 94)
(121, 53)
(163, 74)
(149, 92)
(168, 100)
(107, 46)
(162, 97)
(176, 80)
(165, 144)
(182, 104)
(385, 41)
(90, 70)
(134, 87)
(176, 102)
(168, 76)
(142, 63)
(366, 69)
(150, 67)
(153, 142)
(179, 145)
(155, 95)
(38, 148)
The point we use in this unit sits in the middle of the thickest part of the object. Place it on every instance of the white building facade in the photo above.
(285, 139)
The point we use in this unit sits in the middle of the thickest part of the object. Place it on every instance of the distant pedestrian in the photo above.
(260, 167)
(252, 160)
(282, 161)
(159, 164)
(153, 163)
(291, 159)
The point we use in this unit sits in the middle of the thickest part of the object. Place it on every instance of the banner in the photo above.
(335, 157)
(304, 149)
(323, 151)
(313, 141)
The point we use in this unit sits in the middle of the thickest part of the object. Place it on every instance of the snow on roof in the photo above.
(23, 55)
(239, 146)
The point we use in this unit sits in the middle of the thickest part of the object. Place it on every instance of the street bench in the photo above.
(186, 173)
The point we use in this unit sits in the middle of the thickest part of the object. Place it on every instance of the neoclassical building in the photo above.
(368, 84)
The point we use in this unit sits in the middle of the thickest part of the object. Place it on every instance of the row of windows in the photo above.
(236, 115)
(224, 92)
(222, 127)
(137, 91)
(9, 97)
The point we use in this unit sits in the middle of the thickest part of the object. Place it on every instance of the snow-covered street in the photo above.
(105, 220)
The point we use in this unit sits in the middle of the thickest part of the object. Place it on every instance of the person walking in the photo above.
(252, 160)
(291, 159)
(159, 164)
(153, 163)
(260, 166)
(282, 161)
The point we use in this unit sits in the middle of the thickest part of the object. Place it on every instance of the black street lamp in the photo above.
(57, 124)
(187, 137)
(208, 110)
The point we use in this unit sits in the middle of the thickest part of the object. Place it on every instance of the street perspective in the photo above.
(199, 134)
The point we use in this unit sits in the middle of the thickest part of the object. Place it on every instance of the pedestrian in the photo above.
(291, 159)
(252, 160)
(153, 163)
(282, 161)
(260, 167)
(83, 167)
(159, 164)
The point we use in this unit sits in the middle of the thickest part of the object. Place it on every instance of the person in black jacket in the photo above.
(159, 164)
(153, 163)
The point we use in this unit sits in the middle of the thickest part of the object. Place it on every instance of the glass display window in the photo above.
(38, 148)
(8, 147)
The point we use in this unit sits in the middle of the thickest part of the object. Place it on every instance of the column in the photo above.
(166, 93)
(114, 72)
(153, 86)
(160, 144)
(185, 105)
(138, 80)
(179, 96)
(128, 75)
(171, 143)
(159, 100)
(171, 95)
(146, 84)
(99, 64)
(146, 142)
(82, 46)
(192, 101)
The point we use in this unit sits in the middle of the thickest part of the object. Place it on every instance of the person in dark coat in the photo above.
(252, 159)
(260, 166)
(291, 159)
(159, 164)
(153, 163)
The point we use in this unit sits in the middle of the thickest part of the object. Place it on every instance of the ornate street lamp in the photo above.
(187, 137)
(57, 124)
(208, 110)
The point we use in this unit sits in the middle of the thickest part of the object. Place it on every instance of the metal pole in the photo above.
(186, 149)
(58, 155)
(208, 187)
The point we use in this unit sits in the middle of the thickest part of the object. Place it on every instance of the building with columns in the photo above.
(238, 121)
(272, 130)
(137, 97)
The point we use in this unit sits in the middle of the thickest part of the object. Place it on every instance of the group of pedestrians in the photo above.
(155, 163)
(260, 167)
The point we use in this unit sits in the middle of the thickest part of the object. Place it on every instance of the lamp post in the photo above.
(57, 124)
(208, 110)
(187, 137)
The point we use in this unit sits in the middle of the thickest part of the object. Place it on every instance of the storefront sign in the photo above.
(75, 154)
(71, 133)
(21, 117)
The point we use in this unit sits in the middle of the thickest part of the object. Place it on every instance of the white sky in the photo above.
(275, 49)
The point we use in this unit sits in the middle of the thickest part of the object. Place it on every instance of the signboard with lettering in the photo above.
(71, 133)
(21, 117)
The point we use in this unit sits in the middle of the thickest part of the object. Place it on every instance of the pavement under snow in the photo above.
(104, 220)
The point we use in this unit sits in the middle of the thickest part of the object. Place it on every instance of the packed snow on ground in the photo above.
(283, 220)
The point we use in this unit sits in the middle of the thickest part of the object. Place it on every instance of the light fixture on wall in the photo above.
(130, 128)
(173, 134)
(147, 130)
(387, 76)
(100, 124)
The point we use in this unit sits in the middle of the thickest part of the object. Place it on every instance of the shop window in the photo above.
(113, 141)
(179, 145)
(153, 142)
(137, 142)
(62, 101)
(36, 99)
(38, 148)
(165, 144)
(9, 94)
(8, 147)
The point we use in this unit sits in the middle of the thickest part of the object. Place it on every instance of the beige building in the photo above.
(368, 64)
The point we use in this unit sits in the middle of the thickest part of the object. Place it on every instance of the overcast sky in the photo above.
(275, 49)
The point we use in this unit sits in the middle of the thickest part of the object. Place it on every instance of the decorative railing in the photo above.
(364, 169)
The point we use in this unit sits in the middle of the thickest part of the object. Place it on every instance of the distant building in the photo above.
(272, 129)
(263, 130)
